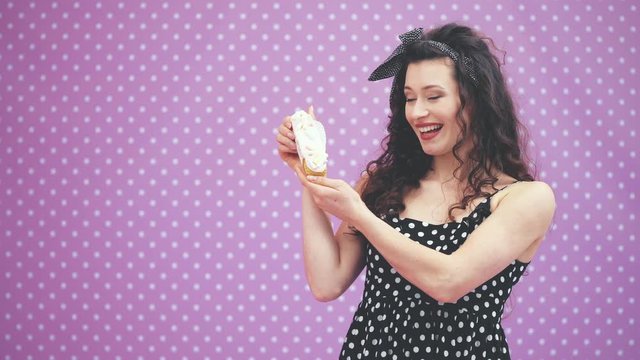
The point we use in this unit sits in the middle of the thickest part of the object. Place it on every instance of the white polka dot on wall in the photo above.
(145, 212)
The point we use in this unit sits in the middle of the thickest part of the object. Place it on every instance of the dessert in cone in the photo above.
(311, 143)
(311, 172)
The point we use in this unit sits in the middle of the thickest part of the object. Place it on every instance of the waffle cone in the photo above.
(311, 172)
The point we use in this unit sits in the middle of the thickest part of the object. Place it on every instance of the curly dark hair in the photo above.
(498, 138)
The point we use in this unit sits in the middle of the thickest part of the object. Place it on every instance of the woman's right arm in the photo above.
(331, 261)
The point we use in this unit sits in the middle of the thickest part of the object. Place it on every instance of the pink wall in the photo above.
(144, 213)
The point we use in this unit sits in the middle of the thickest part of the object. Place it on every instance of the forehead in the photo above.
(438, 71)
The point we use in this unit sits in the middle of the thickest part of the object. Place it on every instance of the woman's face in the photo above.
(433, 100)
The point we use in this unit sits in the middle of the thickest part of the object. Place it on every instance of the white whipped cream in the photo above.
(311, 140)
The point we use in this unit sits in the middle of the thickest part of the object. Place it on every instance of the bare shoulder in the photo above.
(538, 189)
(535, 196)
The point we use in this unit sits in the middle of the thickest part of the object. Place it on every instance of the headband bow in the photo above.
(392, 65)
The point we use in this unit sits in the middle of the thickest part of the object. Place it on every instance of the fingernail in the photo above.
(311, 178)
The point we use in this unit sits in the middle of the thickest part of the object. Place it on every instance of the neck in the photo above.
(443, 168)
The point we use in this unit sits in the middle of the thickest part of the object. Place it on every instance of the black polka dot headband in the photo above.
(392, 65)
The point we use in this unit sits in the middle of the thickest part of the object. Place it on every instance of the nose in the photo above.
(419, 109)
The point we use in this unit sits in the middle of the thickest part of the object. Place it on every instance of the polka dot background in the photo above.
(144, 213)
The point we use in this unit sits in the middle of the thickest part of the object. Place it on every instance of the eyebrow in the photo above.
(426, 87)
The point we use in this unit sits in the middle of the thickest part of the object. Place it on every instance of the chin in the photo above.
(432, 151)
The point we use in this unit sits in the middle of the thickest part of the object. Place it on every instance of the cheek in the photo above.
(451, 112)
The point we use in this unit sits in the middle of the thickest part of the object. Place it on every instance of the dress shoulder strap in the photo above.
(504, 187)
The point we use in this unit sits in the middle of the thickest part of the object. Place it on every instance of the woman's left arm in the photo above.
(522, 217)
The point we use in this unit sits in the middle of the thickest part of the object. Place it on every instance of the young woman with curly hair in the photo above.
(445, 221)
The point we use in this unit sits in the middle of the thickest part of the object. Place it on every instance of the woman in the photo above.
(446, 220)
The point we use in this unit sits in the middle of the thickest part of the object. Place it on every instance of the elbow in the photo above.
(448, 296)
(324, 297)
(324, 294)
(445, 294)
(448, 289)
(323, 289)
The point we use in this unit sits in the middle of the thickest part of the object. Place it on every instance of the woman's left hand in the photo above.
(336, 197)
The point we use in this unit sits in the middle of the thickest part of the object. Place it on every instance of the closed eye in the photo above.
(431, 99)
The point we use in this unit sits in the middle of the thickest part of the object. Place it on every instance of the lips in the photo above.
(428, 131)
(430, 128)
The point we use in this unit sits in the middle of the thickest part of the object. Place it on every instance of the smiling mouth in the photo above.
(430, 129)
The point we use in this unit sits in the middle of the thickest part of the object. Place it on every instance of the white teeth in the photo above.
(429, 128)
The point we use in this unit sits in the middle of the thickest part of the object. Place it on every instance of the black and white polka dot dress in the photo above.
(396, 320)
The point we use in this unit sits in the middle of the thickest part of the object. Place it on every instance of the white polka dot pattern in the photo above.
(144, 213)
(397, 320)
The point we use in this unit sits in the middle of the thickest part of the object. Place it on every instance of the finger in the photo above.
(285, 150)
(286, 143)
(285, 140)
(325, 181)
(310, 111)
(284, 130)
(320, 191)
(316, 190)
(287, 122)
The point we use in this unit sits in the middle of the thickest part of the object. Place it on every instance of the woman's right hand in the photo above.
(287, 144)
